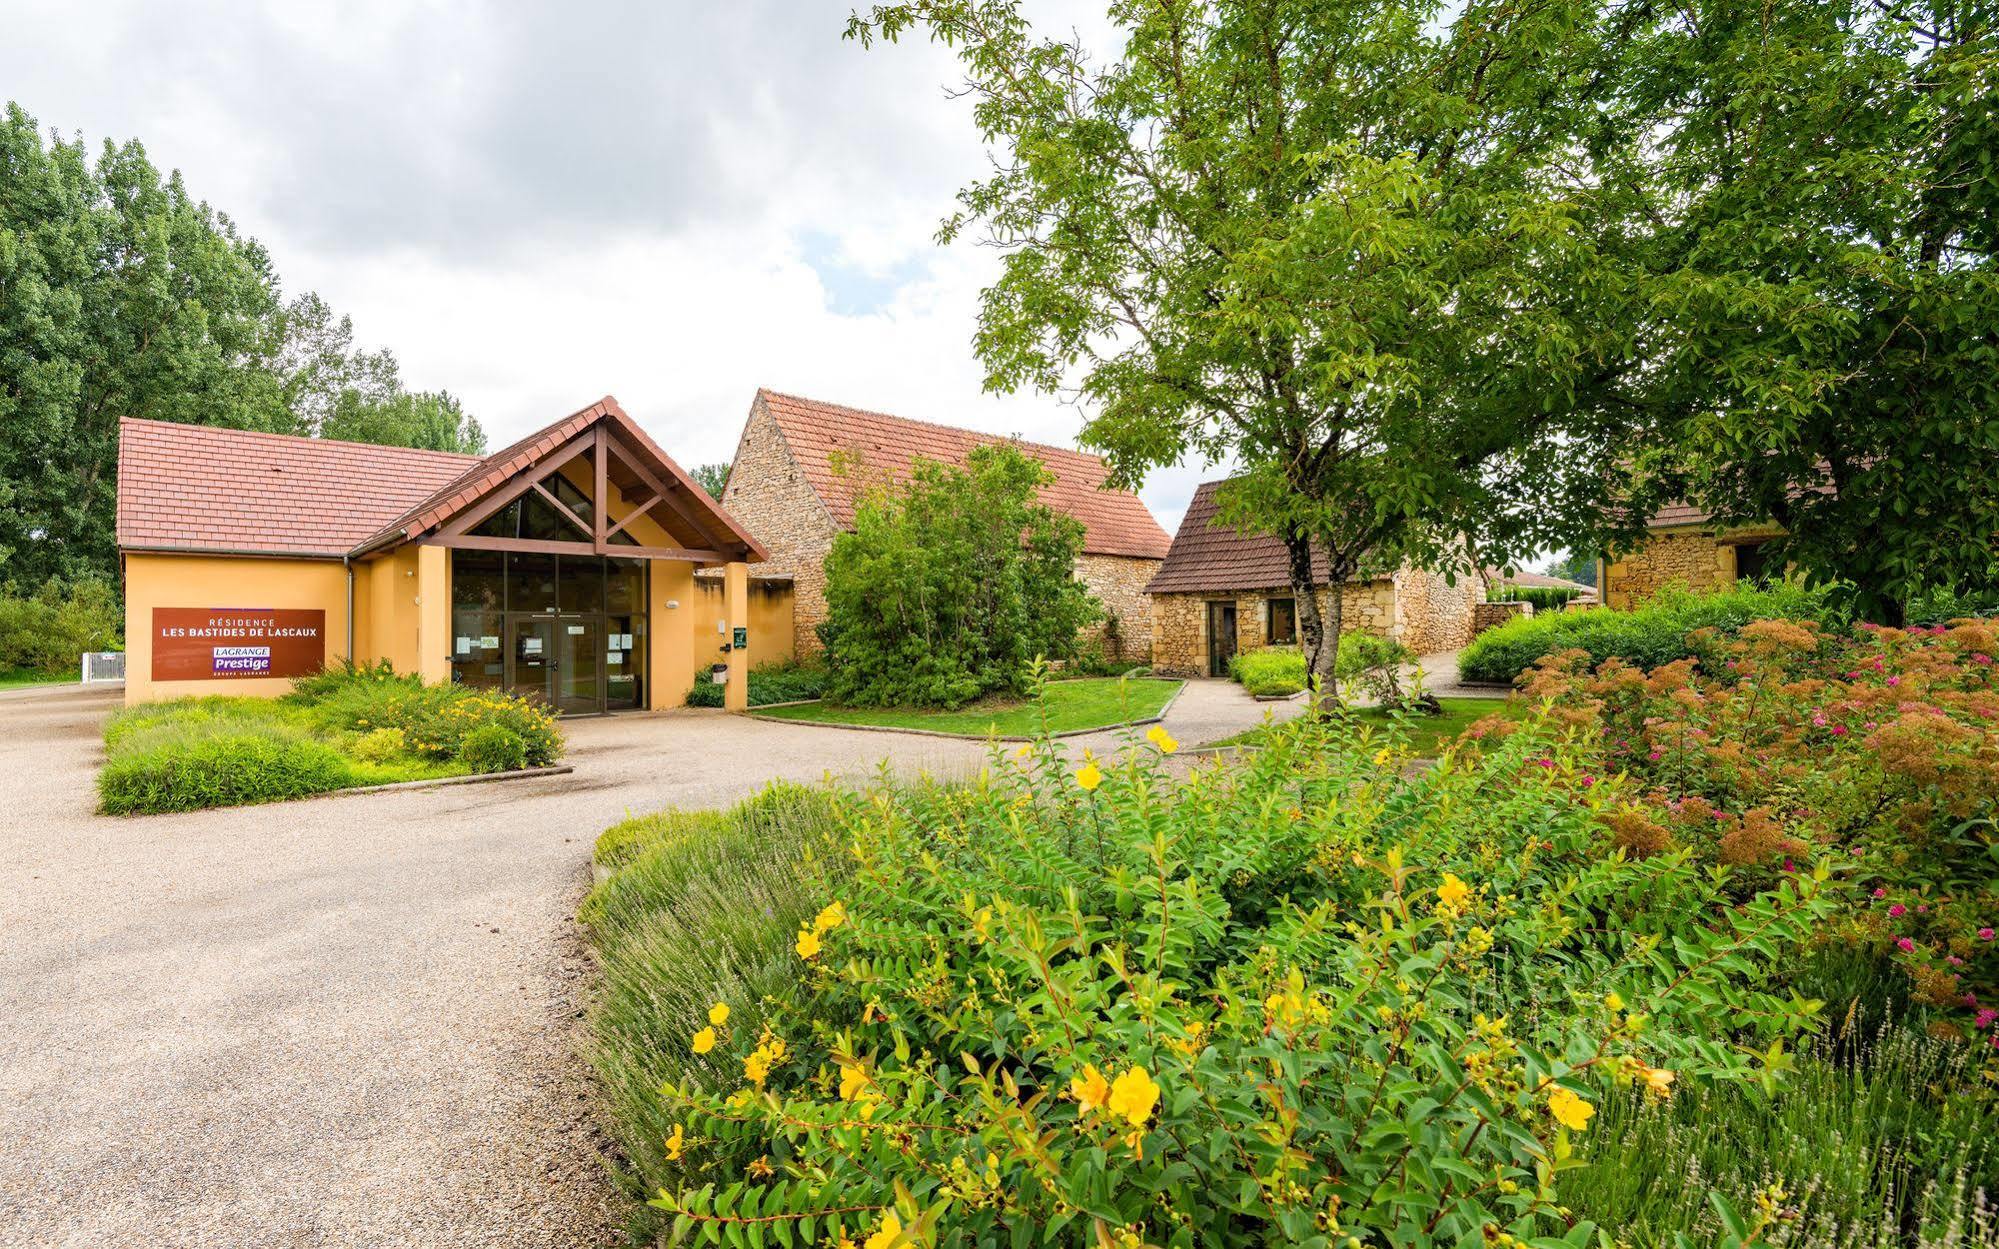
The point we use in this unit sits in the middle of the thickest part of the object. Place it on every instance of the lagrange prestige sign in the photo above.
(202, 643)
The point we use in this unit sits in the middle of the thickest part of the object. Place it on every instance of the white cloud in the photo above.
(534, 205)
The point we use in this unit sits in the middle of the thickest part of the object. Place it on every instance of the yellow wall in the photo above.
(402, 611)
(223, 581)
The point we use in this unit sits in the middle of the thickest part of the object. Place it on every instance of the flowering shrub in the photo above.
(1297, 997)
(1791, 745)
(434, 720)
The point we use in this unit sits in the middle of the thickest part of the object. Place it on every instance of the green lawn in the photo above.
(1428, 735)
(1090, 703)
(14, 678)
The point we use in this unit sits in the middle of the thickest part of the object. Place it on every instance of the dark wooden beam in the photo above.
(582, 526)
(540, 546)
(600, 508)
(634, 514)
(474, 516)
(668, 495)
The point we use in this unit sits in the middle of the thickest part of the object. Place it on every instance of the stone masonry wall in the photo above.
(1432, 615)
(1119, 583)
(772, 499)
(1180, 621)
(1490, 615)
(1698, 559)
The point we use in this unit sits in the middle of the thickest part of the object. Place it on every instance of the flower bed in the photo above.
(338, 729)
(1296, 995)
(1873, 752)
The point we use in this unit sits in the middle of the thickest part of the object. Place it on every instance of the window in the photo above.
(1283, 622)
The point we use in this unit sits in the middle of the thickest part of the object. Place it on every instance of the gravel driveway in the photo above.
(345, 1021)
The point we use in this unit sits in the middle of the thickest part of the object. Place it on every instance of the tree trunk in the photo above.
(1320, 652)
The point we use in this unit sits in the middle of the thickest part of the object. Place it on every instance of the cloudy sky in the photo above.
(534, 204)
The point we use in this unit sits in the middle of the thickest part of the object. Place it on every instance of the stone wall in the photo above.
(1431, 614)
(1697, 559)
(1488, 615)
(1180, 621)
(1119, 583)
(772, 499)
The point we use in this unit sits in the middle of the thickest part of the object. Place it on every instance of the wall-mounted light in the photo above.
(672, 603)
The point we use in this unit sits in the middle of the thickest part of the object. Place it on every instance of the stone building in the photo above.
(1684, 548)
(1221, 592)
(801, 464)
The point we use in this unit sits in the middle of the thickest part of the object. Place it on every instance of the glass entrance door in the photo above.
(530, 654)
(579, 665)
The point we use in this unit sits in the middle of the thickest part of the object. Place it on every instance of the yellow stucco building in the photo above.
(562, 566)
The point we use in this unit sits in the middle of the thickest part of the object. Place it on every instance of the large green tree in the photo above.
(122, 295)
(1357, 247)
(1824, 347)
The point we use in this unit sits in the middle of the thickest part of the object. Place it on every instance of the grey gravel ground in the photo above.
(346, 1021)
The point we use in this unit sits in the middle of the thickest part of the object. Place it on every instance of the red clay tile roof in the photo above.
(202, 488)
(1210, 557)
(1114, 521)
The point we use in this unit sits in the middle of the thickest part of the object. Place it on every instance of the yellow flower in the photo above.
(704, 1040)
(1159, 737)
(853, 1081)
(808, 943)
(1090, 1089)
(1453, 893)
(1024, 751)
(1658, 1082)
(891, 1228)
(756, 1068)
(676, 1143)
(1133, 1095)
(718, 1014)
(1570, 1111)
(1089, 776)
(1613, 1001)
(832, 917)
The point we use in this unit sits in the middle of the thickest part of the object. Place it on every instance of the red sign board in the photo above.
(203, 643)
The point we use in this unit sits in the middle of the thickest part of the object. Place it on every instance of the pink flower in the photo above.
(1790, 866)
(1588, 780)
(1897, 911)
(1654, 756)
(1544, 763)
(1818, 719)
(1906, 946)
(1894, 680)
(1986, 1016)
(1922, 907)
(1981, 659)
(1879, 892)
(1839, 730)
(1985, 934)
(1953, 960)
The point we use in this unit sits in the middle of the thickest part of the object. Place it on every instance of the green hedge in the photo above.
(1543, 597)
(786, 682)
(1647, 636)
(215, 761)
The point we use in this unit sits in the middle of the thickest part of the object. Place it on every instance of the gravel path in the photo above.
(346, 1021)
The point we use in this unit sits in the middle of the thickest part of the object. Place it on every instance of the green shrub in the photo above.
(1293, 999)
(493, 748)
(214, 760)
(948, 587)
(1269, 672)
(1367, 664)
(433, 719)
(1941, 606)
(49, 628)
(378, 746)
(1649, 636)
(701, 909)
(786, 681)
